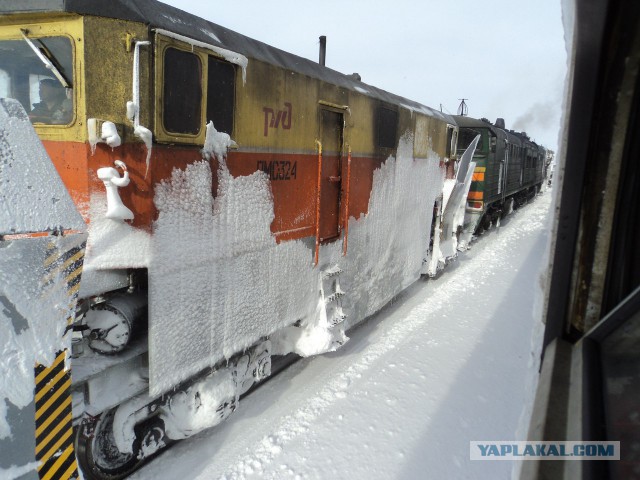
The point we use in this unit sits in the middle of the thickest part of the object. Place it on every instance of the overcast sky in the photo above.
(506, 57)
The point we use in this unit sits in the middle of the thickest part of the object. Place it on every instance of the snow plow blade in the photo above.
(42, 242)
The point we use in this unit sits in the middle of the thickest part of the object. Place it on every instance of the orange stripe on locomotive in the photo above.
(293, 190)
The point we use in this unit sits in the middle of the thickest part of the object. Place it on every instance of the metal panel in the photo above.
(32, 195)
(39, 281)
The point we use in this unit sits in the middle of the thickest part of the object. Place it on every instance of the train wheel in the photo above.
(97, 454)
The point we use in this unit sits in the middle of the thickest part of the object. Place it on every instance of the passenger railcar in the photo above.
(510, 169)
(241, 202)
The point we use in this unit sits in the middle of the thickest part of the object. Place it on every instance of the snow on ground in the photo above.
(452, 360)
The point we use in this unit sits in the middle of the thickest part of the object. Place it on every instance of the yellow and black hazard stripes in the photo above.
(55, 454)
(64, 270)
(54, 430)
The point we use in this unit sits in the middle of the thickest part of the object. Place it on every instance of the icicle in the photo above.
(146, 136)
(133, 107)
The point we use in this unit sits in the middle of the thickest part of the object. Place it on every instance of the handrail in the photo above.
(317, 253)
(346, 201)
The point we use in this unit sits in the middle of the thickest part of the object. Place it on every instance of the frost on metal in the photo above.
(144, 134)
(217, 279)
(108, 134)
(454, 207)
(112, 181)
(387, 246)
(16, 472)
(216, 143)
(34, 308)
(219, 282)
(32, 195)
(113, 243)
(133, 106)
(34, 304)
(200, 406)
(313, 336)
(228, 55)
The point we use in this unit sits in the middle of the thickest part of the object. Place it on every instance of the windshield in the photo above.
(25, 76)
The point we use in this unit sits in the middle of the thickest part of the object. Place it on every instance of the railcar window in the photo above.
(387, 127)
(25, 77)
(620, 382)
(221, 87)
(181, 109)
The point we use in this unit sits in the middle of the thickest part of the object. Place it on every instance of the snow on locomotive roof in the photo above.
(469, 122)
(464, 121)
(161, 16)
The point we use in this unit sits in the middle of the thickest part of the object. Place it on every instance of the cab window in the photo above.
(38, 72)
(466, 136)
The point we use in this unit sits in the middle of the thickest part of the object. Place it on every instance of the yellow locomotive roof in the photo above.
(158, 15)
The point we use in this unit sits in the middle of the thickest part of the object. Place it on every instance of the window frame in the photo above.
(72, 31)
(162, 135)
(163, 104)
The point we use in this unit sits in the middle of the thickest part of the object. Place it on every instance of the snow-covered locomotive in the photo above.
(509, 170)
(241, 202)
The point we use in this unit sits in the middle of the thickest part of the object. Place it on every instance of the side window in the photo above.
(221, 88)
(182, 93)
(386, 127)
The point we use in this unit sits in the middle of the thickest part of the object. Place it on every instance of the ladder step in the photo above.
(333, 297)
(337, 318)
(331, 272)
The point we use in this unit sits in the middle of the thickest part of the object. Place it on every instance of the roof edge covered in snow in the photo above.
(158, 15)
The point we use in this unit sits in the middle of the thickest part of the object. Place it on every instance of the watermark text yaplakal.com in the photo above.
(491, 450)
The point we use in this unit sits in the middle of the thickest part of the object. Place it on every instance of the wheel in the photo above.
(97, 454)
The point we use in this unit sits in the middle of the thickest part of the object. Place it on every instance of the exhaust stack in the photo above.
(323, 49)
